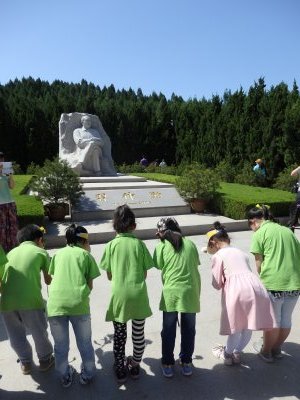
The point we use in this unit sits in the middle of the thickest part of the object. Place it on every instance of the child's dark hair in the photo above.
(261, 212)
(221, 234)
(30, 232)
(73, 235)
(124, 219)
(168, 229)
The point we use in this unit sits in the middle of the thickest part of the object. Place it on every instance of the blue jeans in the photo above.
(18, 324)
(83, 333)
(283, 308)
(168, 336)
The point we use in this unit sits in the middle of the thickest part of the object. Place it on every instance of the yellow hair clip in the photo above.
(83, 235)
(42, 229)
(260, 207)
(211, 233)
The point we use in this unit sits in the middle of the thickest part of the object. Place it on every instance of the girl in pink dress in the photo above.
(246, 306)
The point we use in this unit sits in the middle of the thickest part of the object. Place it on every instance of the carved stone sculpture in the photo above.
(85, 145)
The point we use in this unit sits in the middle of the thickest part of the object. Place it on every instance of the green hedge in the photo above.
(29, 208)
(158, 177)
(234, 200)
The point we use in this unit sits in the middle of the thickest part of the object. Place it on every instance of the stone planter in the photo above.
(56, 212)
(198, 205)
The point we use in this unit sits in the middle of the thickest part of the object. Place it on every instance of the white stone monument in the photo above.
(85, 145)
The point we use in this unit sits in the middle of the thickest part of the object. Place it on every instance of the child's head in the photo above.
(258, 214)
(32, 233)
(77, 235)
(217, 237)
(124, 219)
(168, 229)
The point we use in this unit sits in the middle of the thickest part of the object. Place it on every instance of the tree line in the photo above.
(238, 127)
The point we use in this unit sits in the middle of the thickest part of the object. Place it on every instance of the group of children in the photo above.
(246, 305)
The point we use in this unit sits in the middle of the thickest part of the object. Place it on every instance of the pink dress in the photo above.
(245, 301)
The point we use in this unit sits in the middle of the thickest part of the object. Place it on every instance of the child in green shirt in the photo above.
(21, 303)
(73, 269)
(177, 258)
(126, 261)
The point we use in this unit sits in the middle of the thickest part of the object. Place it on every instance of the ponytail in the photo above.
(168, 229)
(76, 234)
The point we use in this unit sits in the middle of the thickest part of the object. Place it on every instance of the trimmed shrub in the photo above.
(197, 182)
(226, 171)
(234, 200)
(285, 181)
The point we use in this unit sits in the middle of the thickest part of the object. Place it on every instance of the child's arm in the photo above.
(109, 275)
(47, 278)
(258, 261)
(218, 279)
(90, 284)
(145, 274)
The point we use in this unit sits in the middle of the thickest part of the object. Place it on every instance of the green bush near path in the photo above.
(29, 208)
(234, 200)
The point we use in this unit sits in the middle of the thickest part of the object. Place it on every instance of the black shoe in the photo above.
(134, 369)
(121, 374)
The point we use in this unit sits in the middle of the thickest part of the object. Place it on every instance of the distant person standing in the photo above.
(162, 164)
(260, 168)
(8, 210)
(295, 208)
(144, 162)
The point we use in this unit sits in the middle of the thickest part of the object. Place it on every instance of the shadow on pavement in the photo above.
(254, 379)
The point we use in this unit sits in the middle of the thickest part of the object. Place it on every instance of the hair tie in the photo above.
(83, 235)
(260, 207)
(212, 233)
(42, 229)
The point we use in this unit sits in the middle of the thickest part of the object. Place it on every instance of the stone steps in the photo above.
(102, 231)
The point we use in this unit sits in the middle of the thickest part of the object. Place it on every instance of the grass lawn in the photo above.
(253, 194)
(29, 208)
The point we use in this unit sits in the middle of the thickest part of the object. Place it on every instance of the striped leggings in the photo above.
(138, 340)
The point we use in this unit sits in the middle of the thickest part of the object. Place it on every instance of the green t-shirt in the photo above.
(21, 281)
(71, 268)
(3, 261)
(5, 196)
(127, 258)
(180, 277)
(280, 269)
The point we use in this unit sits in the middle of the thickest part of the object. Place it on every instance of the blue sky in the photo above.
(193, 48)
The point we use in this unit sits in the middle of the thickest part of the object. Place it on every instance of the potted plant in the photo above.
(197, 185)
(58, 186)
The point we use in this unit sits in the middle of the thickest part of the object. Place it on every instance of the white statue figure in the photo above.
(85, 145)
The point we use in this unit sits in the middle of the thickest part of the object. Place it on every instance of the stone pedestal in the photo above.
(146, 198)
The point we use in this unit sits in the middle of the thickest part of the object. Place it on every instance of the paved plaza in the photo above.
(211, 379)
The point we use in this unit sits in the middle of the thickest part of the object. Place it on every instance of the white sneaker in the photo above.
(219, 352)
